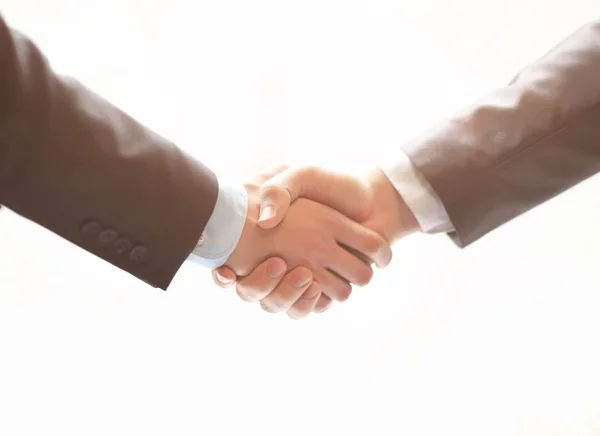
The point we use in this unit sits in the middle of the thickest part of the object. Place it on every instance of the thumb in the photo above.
(224, 277)
(280, 191)
(275, 201)
(347, 194)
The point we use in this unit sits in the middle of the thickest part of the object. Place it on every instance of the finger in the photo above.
(324, 303)
(307, 302)
(290, 290)
(224, 277)
(364, 240)
(344, 193)
(357, 254)
(260, 282)
(332, 285)
(350, 268)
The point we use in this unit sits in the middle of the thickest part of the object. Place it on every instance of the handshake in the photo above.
(310, 234)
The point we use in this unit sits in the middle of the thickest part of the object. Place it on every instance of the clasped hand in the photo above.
(326, 228)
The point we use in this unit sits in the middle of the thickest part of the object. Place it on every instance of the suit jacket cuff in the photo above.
(224, 228)
(418, 195)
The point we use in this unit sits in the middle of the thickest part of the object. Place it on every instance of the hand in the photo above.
(268, 284)
(313, 236)
(372, 201)
(375, 202)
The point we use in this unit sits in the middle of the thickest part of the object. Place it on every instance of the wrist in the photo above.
(245, 256)
(224, 227)
(392, 217)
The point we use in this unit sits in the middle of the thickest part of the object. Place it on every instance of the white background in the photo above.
(501, 338)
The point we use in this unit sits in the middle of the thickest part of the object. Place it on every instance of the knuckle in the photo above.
(374, 244)
(300, 273)
(324, 248)
(308, 170)
(308, 263)
(270, 190)
(306, 176)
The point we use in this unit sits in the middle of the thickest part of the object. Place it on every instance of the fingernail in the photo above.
(266, 213)
(275, 269)
(222, 279)
(302, 282)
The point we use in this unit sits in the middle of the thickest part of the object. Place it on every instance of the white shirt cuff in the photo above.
(224, 228)
(418, 195)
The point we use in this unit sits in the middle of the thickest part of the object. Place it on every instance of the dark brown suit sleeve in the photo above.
(77, 165)
(522, 144)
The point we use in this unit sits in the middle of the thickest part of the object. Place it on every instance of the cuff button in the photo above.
(139, 253)
(123, 245)
(91, 228)
(107, 236)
